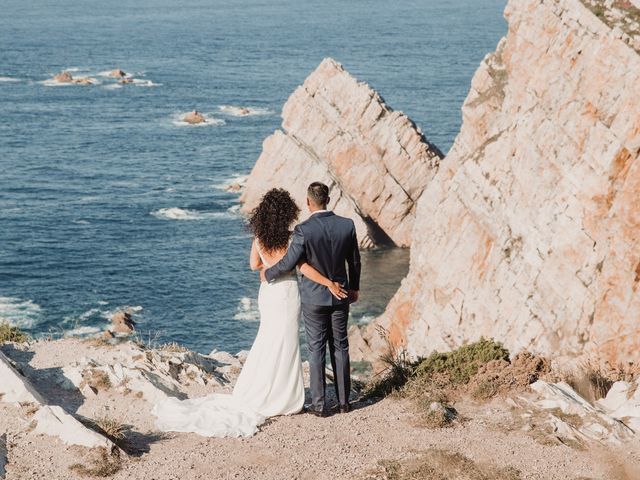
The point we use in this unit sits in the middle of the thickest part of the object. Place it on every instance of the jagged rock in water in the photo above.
(529, 231)
(63, 77)
(122, 322)
(339, 131)
(117, 73)
(194, 118)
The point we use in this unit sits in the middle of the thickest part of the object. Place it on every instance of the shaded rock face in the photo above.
(339, 131)
(529, 233)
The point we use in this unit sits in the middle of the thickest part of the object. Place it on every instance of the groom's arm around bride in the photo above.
(328, 243)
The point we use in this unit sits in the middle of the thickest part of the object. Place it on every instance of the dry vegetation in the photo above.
(437, 464)
(481, 370)
(101, 464)
(9, 333)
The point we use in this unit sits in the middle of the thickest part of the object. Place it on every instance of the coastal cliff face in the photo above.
(530, 231)
(339, 131)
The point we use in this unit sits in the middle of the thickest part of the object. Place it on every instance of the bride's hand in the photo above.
(337, 291)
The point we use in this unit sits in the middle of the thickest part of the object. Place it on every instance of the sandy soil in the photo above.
(347, 446)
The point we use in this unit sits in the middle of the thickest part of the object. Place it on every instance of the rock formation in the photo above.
(194, 118)
(117, 73)
(66, 77)
(122, 322)
(63, 77)
(50, 420)
(339, 131)
(529, 233)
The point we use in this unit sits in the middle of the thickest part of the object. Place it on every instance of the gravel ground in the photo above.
(347, 446)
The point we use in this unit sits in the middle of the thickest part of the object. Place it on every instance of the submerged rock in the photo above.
(117, 73)
(339, 131)
(194, 118)
(63, 77)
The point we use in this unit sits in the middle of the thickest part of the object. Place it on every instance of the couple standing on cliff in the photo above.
(325, 250)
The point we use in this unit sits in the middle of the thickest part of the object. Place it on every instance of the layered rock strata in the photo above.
(529, 233)
(339, 131)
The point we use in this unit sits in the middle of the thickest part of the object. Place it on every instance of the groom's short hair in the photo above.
(318, 193)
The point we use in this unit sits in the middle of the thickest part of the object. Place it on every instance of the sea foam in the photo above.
(19, 312)
(9, 79)
(239, 111)
(247, 310)
(175, 213)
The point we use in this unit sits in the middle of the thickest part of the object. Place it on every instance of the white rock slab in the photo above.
(54, 421)
(14, 386)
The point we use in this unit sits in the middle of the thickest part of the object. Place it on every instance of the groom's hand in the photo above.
(263, 277)
(354, 295)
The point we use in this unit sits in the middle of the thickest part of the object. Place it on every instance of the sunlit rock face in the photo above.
(339, 131)
(530, 231)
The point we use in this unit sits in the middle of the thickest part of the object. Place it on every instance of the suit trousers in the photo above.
(327, 325)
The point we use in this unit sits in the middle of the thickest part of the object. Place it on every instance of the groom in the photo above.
(328, 243)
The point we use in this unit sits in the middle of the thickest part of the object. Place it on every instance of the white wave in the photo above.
(233, 184)
(209, 120)
(108, 74)
(365, 319)
(50, 82)
(175, 213)
(112, 86)
(103, 302)
(234, 209)
(247, 310)
(9, 79)
(238, 111)
(81, 222)
(19, 312)
(84, 331)
(140, 82)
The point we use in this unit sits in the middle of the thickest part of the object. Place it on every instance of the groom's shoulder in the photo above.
(346, 221)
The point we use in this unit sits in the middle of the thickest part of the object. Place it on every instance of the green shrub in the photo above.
(9, 333)
(461, 364)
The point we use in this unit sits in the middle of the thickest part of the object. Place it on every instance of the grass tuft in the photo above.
(9, 333)
(103, 464)
(461, 364)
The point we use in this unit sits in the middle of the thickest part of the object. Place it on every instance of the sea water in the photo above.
(108, 200)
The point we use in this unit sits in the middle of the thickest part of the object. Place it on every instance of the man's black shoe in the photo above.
(317, 413)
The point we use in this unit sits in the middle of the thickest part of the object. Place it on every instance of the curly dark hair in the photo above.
(271, 219)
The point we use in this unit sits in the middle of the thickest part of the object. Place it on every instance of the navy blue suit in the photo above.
(329, 244)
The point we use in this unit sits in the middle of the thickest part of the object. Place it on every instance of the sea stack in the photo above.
(339, 131)
(528, 233)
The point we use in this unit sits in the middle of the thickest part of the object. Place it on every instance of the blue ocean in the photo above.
(108, 200)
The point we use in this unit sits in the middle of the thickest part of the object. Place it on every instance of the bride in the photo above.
(271, 381)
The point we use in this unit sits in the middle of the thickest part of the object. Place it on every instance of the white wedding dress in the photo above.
(271, 381)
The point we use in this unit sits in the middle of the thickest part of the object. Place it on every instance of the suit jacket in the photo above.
(328, 243)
